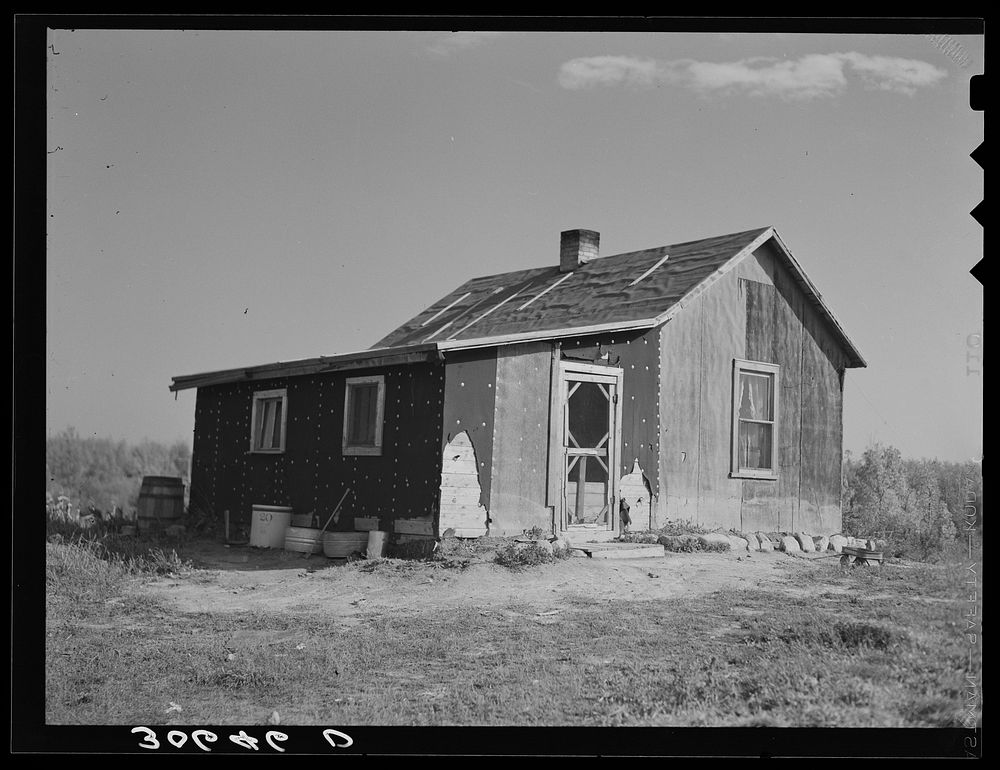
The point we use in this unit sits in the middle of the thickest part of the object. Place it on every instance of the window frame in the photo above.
(741, 366)
(259, 397)
(358, 449)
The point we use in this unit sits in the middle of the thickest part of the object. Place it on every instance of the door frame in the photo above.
(566, 370)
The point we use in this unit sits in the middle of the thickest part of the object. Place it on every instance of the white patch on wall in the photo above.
(634, 490)
(461, 513)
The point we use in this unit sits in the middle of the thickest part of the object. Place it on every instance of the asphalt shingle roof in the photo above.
(598, 292)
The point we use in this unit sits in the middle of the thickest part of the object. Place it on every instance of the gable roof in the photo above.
(636, 290)
(602, 291)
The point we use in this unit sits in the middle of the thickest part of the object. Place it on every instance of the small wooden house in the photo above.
(698, 382)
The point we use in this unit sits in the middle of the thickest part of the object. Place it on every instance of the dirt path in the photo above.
(247, 580)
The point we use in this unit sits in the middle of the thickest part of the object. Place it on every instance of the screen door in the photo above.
(589, 456)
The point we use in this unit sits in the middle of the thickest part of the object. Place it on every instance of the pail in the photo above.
(376, 544)
(161, 502)
(267, 529)
(340, 545)
(302, 520)
(303, 540)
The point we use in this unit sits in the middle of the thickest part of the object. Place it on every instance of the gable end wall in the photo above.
(755, 312)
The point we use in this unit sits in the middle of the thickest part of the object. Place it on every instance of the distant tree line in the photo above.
(920, 507)
(102, 475)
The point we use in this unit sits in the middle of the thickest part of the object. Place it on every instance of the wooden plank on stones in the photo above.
(414, 526)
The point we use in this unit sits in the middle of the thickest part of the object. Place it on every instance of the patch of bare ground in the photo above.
(231, 635)
(292, 583)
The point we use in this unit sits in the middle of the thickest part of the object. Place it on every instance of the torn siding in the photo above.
(469, 400)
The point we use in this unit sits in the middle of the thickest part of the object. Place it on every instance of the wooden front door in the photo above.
(590, 445)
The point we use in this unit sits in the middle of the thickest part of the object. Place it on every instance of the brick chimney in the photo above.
(577, 247)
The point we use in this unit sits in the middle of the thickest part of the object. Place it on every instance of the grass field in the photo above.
(820, 647)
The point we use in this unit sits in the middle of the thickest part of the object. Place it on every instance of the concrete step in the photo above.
(621, 550)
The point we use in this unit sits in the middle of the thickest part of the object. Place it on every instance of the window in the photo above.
(364, 405)
(755, 420)
(270, 408)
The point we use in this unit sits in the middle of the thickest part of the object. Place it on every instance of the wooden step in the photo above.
(621, 550)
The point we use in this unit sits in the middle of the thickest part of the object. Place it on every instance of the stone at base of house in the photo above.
(822, 542)
(737, 543)
(837, 543)
(789, 544)
(805, 542)
(711, 538)
(676, 542)
(560, 544)
(753, 543)
(764, 542)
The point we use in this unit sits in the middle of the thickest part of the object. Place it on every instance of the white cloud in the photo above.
(453, 42)
(609, 71)
(892, 74)
(808, 77)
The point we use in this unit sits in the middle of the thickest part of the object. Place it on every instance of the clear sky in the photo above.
(221, 199)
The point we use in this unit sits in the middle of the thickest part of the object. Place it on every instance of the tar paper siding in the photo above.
(501, 396)
(469, 405)
(637, 354)
(756, 312)
(312, 473)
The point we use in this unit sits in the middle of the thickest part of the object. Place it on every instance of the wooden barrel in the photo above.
(161, 503)
(340, 545)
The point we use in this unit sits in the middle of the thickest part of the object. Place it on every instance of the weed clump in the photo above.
(681, 527)
(690, 544)
(514, 555)
(847, 635)
(639, 537)
(852, 634)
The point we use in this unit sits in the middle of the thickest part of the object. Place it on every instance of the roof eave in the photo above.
(547, 334)
(399, 355)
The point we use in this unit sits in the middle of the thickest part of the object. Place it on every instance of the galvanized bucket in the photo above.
(340, 545)
(303, 540)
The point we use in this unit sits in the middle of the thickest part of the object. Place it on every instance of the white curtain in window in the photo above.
(755, 397)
